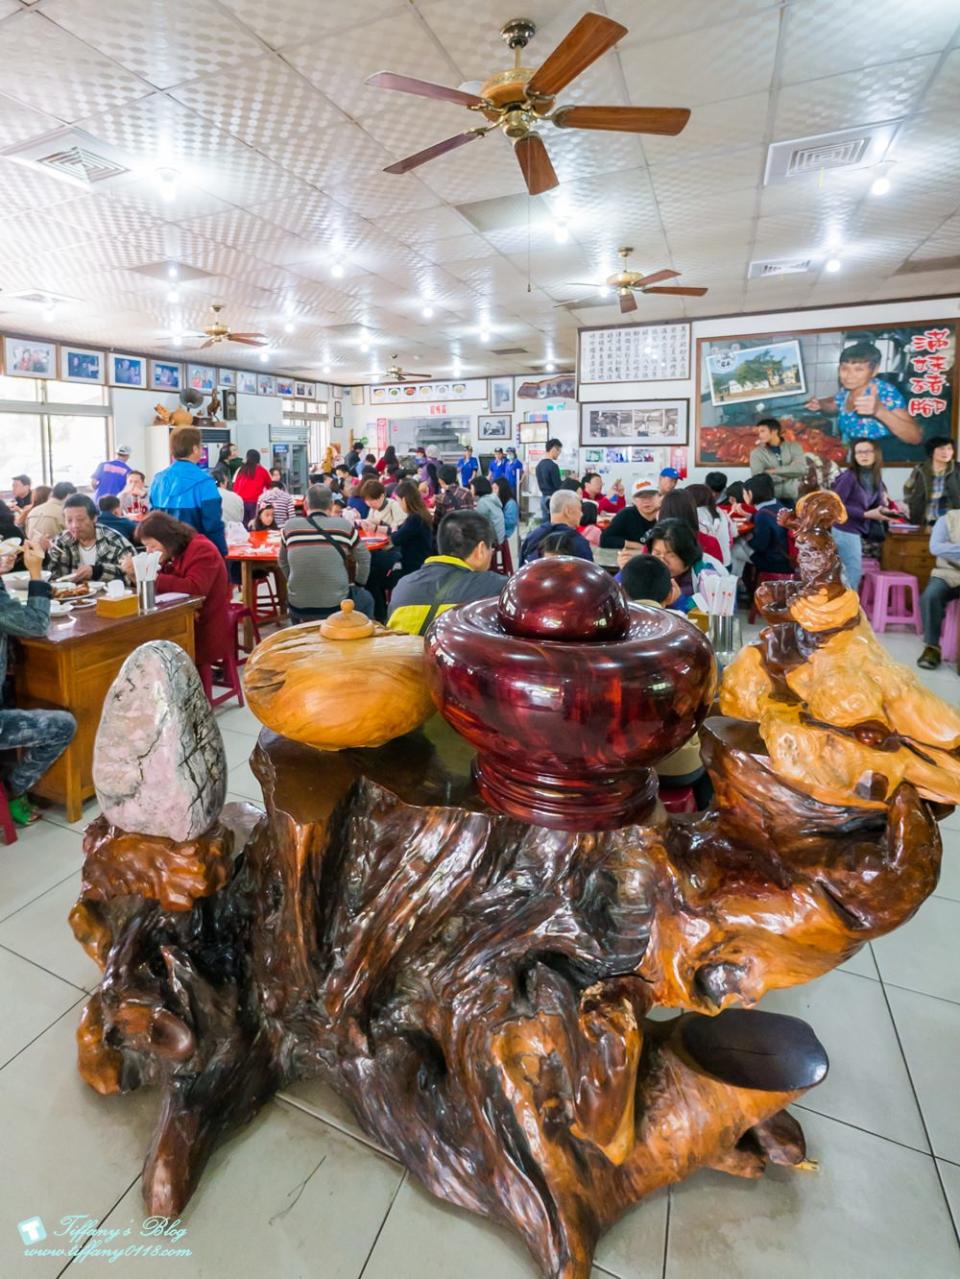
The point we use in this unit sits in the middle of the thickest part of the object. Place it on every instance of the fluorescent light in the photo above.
(880, 186)
(832, 264)
(336, 270)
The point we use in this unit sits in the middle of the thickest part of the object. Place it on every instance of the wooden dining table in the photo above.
(72, 667)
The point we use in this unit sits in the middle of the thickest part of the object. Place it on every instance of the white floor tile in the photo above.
(241, 781)
(286, 1196)
(950, 1175)
(875, 1210)
(237, 746)
(949, 885)
(867, 1084)
(43, 855)
(40, 932)
(930, 1033)
(633, 1247)
(31, 1000)
(239, 719)
(862, 964)
(318, 1099)
(66, 1150)
(924, 954)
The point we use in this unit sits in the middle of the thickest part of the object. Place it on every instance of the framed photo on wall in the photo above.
(338, 408)
(80, 365)
(356, 395)
(500, 394)
(494, 426)
(533, 432)
(26, 357)
(202, 378)
(165, 375)
(246, 382)
(285, 386)
(266, 384)
(655, 423)
(128, 370)
(228, 378)
(893, 383)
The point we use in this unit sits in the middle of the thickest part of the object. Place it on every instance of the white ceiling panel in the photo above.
(738, 122)
(45, 67)
(164, 41)
(294, 22)
(826, 38)
(655, 20)
(19, 123)
(855, 98)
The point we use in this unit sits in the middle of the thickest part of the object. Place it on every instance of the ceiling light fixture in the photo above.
(484, 335)
(173, 295)
(427, 312)
(289, 327)
(172, 271)
(550, 367)
(167, 182)
(336, 270)
(832, 264)
(326, 368)
(880, 186)
(264, 356)
(364, 344)
(50, 311)
(561, 233)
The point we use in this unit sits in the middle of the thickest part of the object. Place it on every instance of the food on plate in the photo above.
(69, 590)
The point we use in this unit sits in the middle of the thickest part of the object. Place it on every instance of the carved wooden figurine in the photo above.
(478, 984)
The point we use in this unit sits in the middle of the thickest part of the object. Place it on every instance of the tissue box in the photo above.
(119, 606)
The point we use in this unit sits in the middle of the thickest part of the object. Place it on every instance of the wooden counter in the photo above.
(908, 553)
(73, 666)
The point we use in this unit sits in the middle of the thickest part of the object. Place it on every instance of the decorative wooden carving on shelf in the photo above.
(479, 986)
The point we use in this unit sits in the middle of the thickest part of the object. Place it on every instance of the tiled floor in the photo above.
(302, 1191)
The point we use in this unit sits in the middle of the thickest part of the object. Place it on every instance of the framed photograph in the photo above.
(338, 423)
(202, 378)
(356, 395)
(494, 426)
(826, 386)
(535, 433)
(128, 370)
(266, 384)
(338, 408)
(246, 382)
(26, 357)
(536, 417)
(654, 423)
(80, 365)
(558, 386)
(285, 386)
(309, 390)
(593, 457)
(165, 375)
(500, 394)
(228, 379)
(616, 455)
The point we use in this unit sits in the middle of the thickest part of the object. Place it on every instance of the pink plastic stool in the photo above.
(869, 571)
(678, 799)
(950, 632)
(888, 601)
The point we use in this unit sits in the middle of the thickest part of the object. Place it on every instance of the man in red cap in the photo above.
(629, 528)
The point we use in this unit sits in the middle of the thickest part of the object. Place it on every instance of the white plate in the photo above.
(59, 608)
(20, 581)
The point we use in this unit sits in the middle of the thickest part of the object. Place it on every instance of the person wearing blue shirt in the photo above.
(942, 587)
(111, 477)
(187, 492)
(498, 467)
(514, 470)
(866, 407)
(467, 467)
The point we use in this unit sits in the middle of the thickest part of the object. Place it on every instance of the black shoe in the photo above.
(929, 659)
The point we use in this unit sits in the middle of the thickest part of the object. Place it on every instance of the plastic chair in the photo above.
(678, 799)
(230, 681)
(766, 577)
(950, 632)
(272, 610)
(888, 601)
(237, 614)
(869, 571)
(502, 561)
(6, 820)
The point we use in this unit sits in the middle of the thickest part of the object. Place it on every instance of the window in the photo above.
(52, 430)
(312, 413)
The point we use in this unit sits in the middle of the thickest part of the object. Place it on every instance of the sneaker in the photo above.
(929, 659)
(23, 812)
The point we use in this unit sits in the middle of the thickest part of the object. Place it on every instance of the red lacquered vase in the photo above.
(569, 693)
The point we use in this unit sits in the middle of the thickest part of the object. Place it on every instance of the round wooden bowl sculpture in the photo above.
(471, 952)
(569, 693)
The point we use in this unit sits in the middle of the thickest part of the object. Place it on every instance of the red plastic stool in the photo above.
(767, 577)
(237, 613)
(888, 601)
(6, 821)
(272, 610)
(678, 799)
(950, 632)
(502, 561)
(231, 681)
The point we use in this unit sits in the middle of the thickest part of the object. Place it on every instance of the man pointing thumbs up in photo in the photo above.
(865, 405)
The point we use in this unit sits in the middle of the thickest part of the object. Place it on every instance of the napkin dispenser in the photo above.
(117, 605)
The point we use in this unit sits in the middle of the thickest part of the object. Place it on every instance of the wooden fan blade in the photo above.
(233, 336)
(679, 292)
(592, 36)
(423, 88)
(627, 302)
(574, 306)
(246, 341)
(438, 148)
(655, 278)
(538, 172)
(666, 120)
(203, 345)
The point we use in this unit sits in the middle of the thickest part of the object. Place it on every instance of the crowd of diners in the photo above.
(408, 537)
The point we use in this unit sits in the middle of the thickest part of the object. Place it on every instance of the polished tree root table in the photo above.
(479, 989)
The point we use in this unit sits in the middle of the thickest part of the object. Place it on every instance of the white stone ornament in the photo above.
(159, 766)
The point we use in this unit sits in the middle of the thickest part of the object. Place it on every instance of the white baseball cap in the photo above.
(640, 487)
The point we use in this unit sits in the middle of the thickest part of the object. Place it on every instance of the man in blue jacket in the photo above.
(187, 492)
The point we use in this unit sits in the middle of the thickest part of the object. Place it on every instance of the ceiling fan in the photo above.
(219, 332)
(629, 283)
(521, 99)
(396, 373)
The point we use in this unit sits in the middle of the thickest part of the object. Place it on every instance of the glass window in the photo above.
(19, 388)
(21, 451)
(74, 393)
(77, 447)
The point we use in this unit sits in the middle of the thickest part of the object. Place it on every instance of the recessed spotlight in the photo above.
(605, 290)
(561, 233)
(289, 327)
(832, 264)
(326, 368)
(167, 182)
(264, 356)
(484, 335)
(173, 271)
(550, 367)
(427, 312)
(880, 186)
(177, 339)
(173, 295)
(336, 270)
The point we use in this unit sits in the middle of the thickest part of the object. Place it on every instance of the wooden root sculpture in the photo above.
(479, 986)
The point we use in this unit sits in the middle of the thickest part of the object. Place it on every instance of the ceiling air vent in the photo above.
(511, 350)
(845, 149)
(76, 156)
(779, 266)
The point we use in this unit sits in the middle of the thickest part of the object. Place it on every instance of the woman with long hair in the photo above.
(713, 523)
(680, 504)
(508, 500)
(249, 482)
(190, 563)
(861, 488)
(265, 521)
(414, 538)
(389, 459)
